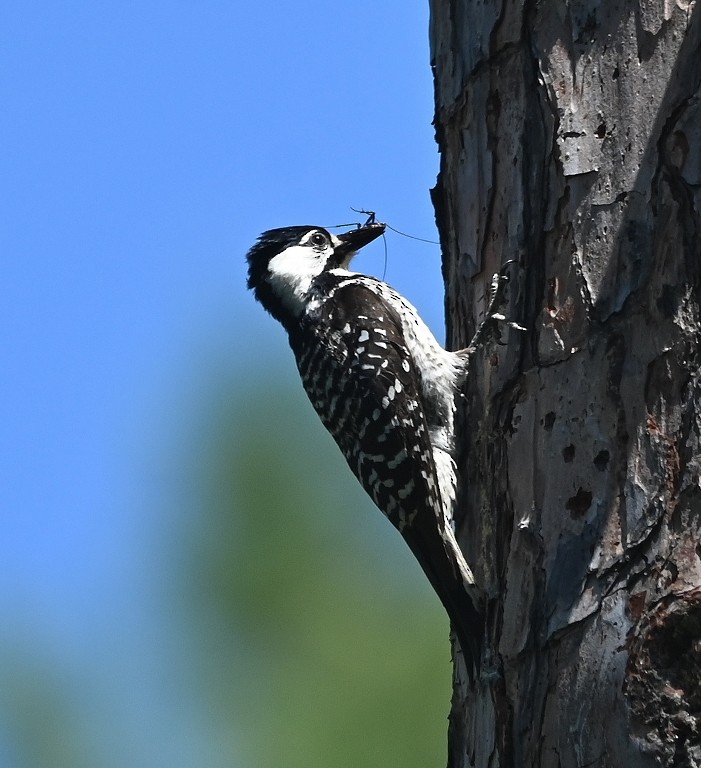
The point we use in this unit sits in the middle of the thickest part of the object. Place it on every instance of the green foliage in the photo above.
(322, 644)
(40, 728)
(296, 629)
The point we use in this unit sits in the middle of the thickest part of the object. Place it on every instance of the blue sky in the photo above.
(145, 146)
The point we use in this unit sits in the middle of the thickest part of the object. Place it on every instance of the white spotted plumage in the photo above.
(385, 389)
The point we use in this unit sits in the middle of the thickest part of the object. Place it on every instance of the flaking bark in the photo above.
(570, 139)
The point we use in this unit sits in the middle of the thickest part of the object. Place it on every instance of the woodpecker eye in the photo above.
(318, 240)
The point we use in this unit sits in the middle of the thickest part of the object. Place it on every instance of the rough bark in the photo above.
(570, 139)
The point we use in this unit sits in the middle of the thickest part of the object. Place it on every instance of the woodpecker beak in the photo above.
(355, 240)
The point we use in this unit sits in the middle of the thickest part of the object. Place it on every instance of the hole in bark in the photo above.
(568, 454)
(601, 131)
(579, 503)
(662, 677)
(616, 73)
(549, 420)
(673, 650)
(601, 460)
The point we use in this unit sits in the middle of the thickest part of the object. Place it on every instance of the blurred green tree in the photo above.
(39, 726)
(320, 643)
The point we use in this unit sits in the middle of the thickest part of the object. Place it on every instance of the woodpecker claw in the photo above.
(492, 317)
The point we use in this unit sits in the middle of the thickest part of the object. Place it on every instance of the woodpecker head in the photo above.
(284, 262)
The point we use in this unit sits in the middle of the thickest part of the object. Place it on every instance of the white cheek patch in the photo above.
(291, 273)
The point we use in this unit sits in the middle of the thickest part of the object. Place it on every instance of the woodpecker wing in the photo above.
(364, 384)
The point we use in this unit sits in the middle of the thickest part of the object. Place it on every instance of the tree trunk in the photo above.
(570, 139)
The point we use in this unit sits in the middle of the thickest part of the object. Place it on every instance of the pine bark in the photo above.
(570, 140)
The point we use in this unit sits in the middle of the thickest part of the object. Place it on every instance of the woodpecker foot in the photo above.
(493, 318)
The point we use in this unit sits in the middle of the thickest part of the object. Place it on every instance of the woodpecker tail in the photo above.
(451, 578)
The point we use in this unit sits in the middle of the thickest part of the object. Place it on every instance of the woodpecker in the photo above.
(383, 387)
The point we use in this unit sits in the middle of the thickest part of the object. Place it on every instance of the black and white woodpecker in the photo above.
(384, 388)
